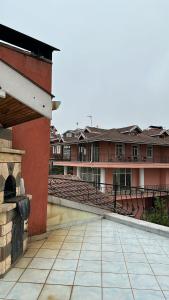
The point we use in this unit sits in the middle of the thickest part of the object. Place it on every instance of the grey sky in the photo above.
(114, 59)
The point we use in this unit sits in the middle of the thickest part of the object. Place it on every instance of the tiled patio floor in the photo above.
(101, 260)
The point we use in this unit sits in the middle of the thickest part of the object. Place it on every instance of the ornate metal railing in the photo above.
(151, 204)
(112, 158)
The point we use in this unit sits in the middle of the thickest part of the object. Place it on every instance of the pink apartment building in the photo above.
(126, 156)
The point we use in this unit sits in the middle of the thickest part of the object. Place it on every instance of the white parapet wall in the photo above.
(129, 221)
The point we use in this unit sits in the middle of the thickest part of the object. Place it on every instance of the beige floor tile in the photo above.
(73, 239)
(71, 246)
(41, 263)
(89, 266)
(34, 276)
(5, 288)
(36, 244)
(65, 264)
(76, 233)
(55, 292)
(88, 279)
(47, 253)
(23, 262)
(86, 293)
(61, 232)
(25, 291)
(55, 238)
(13, 274)
(79, 227)
(90, 246)
(30, 252)
(68, 254)
(61, 277)
(90, 255)
(52, 245)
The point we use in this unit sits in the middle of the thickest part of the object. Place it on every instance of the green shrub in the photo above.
(158, 214)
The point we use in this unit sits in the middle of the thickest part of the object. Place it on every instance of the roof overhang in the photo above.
(21, 99)
(36, 47)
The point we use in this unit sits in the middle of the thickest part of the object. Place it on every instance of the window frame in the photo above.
(149, 147)
(117, 146)
(138, 151)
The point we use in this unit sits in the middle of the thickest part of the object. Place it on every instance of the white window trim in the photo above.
(123, 150)
(148, 146)
(138, 148)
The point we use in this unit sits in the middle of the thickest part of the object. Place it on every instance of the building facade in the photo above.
(33, 60)
(126, 156)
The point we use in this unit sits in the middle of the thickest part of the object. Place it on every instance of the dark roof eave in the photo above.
(19, 39)
(115, 141)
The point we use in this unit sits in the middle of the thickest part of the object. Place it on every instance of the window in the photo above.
(95, 152)
(66, 153)
(122, 178)
(149, 151)
(82, 153)
(135, 151)
(119, 150)
(54, 149)
(69, 134)
(91, 174)
(58, 149)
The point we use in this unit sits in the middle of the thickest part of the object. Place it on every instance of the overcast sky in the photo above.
(114, 59)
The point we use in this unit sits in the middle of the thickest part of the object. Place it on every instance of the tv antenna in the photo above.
(91, 119)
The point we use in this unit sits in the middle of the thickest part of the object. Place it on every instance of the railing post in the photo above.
(115, 196)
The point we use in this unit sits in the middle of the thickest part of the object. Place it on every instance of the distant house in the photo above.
(127, 156)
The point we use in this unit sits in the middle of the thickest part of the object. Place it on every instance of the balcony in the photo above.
(107, 158)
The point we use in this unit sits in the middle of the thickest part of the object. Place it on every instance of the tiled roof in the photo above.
(72, 188)
(95, 129)
(155, 131)
(129, 129)
(119, 135)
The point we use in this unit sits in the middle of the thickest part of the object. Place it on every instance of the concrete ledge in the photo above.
(129, 221)
(76, 205)
(73, 223)
(143, 225)
(12, 151)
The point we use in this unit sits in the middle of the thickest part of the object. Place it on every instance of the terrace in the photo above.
(99, 255)
(102, 260)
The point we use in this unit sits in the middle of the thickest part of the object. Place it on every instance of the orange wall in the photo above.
(109, 176)
(152, 177)
(34, 138)
(135, 177)
(74, 152)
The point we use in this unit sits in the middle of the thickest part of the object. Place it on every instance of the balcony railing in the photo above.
(150, 204)
(112, 159)
(58, 157)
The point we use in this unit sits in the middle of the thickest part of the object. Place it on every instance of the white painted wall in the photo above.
(141, 177)
(102, 180)
(25, 91)
(78, 172)
(65, 170)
